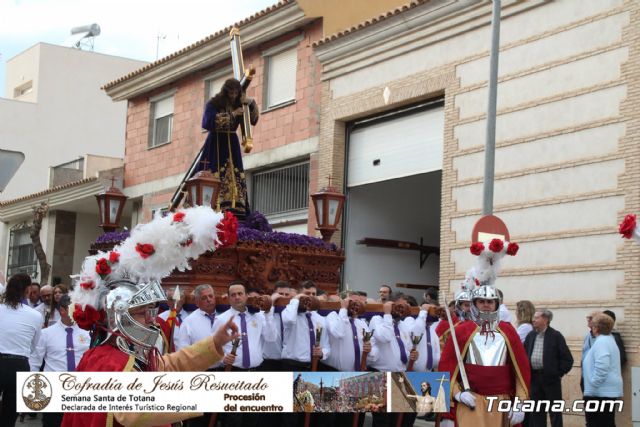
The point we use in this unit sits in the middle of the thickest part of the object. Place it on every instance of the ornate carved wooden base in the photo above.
(260, 265)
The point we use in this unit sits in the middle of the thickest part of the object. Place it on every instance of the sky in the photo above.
(329, 379)
(432, 378)
(139, 29)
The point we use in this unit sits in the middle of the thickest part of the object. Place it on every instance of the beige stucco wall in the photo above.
(340, 15)
(568, 149)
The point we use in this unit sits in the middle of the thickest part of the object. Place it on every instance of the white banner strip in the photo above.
(154, 391)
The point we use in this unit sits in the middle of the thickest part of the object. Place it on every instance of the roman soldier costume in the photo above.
(128, 278)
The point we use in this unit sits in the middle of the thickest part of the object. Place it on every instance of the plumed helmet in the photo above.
(127, 277)
(462, 296)
(486, 292)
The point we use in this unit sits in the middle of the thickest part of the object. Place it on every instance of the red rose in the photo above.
(178, 217)
(477, 248)
(145, 250)
(87, 285)
(496, 245)
(627, 226)
(114, 257)
(102, 267)
(87, 318)
(228, 229)
(512, 249)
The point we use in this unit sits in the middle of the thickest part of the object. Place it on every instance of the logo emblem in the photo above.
(36, 392)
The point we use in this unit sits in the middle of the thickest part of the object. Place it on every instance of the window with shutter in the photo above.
(162, 121)
(213, 85)
(281, 77)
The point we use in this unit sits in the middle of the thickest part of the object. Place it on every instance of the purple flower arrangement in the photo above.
(256, 228)
(256, 221)
(113, 236)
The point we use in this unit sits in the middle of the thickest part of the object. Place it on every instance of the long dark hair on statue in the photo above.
(221, 100)
(16, 287)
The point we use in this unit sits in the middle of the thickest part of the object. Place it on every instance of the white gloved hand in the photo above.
(447, 423)
(467, 398)
(516, 417)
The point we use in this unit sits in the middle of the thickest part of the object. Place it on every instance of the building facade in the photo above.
(70, 134)
(567, 151)
(169, 96)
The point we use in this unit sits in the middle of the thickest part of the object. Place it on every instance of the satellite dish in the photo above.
(83, 36)
(10, 161)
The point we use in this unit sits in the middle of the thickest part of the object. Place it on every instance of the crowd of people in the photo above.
(527, 360)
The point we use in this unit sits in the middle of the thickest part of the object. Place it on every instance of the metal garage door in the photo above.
(397, 146)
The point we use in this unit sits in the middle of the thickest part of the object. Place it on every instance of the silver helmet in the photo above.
(137, 339)
(462, 296)
(488, 319)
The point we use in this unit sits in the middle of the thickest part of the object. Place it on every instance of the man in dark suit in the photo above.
(550, 359)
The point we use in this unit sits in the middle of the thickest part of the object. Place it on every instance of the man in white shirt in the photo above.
(345, 333)
(253, 327)
(61, 346)
(393, 333)
(33, 297)
(272, 351)
(48, 316)
(17, 344)
(301, 323)
(202, 322)
(429, 346)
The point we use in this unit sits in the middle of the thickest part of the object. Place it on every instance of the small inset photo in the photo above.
(340, 392)
(426, 393)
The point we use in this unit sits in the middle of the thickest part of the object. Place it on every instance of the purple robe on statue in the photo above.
(223, 154)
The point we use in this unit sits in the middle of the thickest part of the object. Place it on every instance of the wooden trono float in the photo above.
(259, 265)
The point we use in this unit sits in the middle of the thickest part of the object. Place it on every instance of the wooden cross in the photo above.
(205, 163)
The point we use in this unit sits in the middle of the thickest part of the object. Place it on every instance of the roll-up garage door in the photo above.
(398, 146)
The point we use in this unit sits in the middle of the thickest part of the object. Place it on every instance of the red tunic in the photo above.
(104, 358)
(487, 380)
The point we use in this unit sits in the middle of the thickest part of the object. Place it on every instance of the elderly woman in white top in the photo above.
(601, 372)
(524, 314)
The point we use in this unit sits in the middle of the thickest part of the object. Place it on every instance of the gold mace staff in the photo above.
(415, 341)
(227, 367)
(234, 349)
(366, 337)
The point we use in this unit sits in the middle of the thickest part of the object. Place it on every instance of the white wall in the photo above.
(72, 116)
(400, 209)
(21, 69)
(87, 231)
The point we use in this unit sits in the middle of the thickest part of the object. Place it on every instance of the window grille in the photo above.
(22, 256)
(281, 190)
